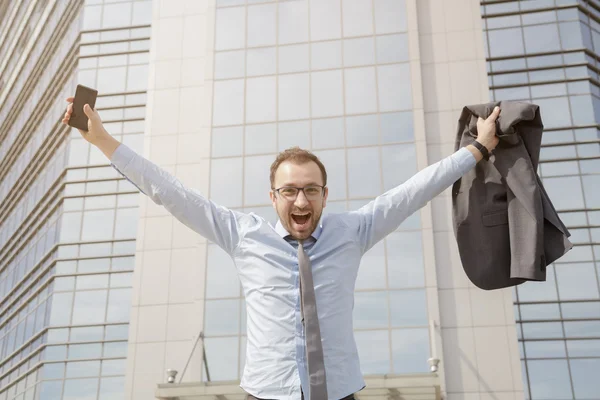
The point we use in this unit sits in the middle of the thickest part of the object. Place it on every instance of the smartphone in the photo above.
(83, 95)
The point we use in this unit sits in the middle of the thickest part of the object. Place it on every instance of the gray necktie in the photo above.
(314, 347)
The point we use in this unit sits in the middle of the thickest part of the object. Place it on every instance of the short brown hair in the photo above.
(296, 155)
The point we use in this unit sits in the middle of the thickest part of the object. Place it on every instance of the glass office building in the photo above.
(548, 52)
(211, 91)
(67, 221)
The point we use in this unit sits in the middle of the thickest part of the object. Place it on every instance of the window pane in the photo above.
(87, 334)
(358, 17)
(260, 99)
(583, 348)
(294, 134)
(50, 390)
(227, 141)
(261, 61)
(591, 185)
(395, 92)
(373, 351)
(112, 388)
(581, 310)
(582, 328)
(293, 96)
(549, 33)
(261, 138)
(216, 324)
(390, 16)
(364, 178)
(326, 94)
(549, 379)
(542, 330)
(226, 170)
(53, 371)
(293, 58)
(539, 311)
(359, 52)
(370, 310)
(89, 307)
(408, 307)
(119, 305)
(293, 22)
(392, 48)
(83, 369)
(397, 127)
(325, 20)
(113, 367)
(70, 227)
(360, 90)
(112, 80)
(117, 332)
(79, 351)
(92, 282)
(554, 112)
(60, 313)
(230, 28)
(545, 349)
(222, 358)
(325, 55)
(229, 64)
(256, 180)
(505, 42)
(261, 25)
(228, 102)
(565, 193)
(80, 389)
(577, 281)
(410, 350)
(98, 225)
(327, 133)
(585, 378)
(405, 260)
(362, 130)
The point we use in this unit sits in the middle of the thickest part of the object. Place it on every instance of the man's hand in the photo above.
(486, 130)
(96, 134)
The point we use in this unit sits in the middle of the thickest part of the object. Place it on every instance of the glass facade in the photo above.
(68, 220)
(548, 52)
(333, 77)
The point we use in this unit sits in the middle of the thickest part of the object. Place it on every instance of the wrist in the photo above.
(490, 144)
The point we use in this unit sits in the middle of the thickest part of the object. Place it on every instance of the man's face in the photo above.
(301, 215)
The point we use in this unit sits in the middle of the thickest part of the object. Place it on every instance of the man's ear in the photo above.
(325, 196)
(273, 199)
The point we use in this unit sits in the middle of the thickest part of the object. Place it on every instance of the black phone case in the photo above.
(83, 95)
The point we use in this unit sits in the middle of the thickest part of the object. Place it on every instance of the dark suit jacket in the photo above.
(505, 225)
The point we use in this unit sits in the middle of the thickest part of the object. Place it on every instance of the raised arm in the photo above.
(216, 223)
(385, 213)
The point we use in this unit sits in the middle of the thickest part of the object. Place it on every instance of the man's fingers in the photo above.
(494, 114)
(70, 109)
(70, 99)
(88, 111)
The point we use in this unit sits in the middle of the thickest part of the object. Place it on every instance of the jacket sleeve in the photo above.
(216, 223)
(385, 213)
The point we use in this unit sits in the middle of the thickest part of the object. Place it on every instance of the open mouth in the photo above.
(301, 219)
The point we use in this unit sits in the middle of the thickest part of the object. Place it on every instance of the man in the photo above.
(298, 277)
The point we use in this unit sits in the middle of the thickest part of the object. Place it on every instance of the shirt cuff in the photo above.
(121, 157)
(465, 159)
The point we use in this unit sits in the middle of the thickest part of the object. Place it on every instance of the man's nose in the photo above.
(301, 200)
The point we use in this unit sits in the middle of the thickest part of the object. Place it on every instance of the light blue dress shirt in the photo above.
(267, 264)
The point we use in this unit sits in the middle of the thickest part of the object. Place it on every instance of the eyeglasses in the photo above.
(290, 193)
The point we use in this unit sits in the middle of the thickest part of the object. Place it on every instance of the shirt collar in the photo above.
(283, 233)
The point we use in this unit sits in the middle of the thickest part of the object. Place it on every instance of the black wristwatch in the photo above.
(484, 151)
